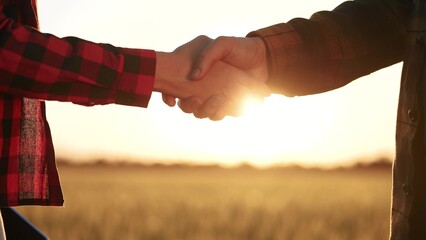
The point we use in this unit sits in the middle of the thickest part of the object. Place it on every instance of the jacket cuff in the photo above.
(283, 46)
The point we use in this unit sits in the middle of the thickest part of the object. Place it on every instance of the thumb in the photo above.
(190, 105)
(214, 52)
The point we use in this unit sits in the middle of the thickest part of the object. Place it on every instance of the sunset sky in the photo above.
(351, 123)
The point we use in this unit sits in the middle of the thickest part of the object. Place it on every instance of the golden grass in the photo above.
(226, 204)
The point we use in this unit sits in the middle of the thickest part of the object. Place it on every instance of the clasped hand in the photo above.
(212, 78)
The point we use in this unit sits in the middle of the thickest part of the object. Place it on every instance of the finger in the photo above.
(221, 112)
(169, 100)
(214, 52)
(217, 117)
(235, 108)
(210, 107)
(190, 105)
(229, 108)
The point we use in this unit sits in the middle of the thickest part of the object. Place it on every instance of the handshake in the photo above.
(212, 78)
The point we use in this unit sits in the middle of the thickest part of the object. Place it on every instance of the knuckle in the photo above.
(221, 39)
(203, 37)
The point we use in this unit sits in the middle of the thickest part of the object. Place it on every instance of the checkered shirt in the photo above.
(34, 67)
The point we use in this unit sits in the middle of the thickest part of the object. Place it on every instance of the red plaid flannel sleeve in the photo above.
(42, 66)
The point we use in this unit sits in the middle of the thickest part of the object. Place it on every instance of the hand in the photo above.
(246, 54)
(226, 87)
(172, 69)
(223, 81)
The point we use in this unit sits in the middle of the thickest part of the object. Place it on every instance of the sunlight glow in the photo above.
(353, 121)
(251, 105)
(267, 131)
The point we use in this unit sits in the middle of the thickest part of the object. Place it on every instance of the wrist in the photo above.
(160, 73)
(165, 71)
(263, 57)
(168, 74)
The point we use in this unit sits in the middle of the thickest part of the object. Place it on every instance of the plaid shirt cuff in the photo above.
(136, 82)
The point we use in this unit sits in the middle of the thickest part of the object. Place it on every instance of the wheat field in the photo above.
(116, 202)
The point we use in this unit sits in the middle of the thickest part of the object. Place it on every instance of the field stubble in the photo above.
(208, 204)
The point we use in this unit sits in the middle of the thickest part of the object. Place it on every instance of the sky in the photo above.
(355, 122)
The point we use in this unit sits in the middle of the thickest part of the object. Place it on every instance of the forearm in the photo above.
(333, 48)
(37, 65)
